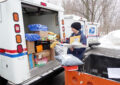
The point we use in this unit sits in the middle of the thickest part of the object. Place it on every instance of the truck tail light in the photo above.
(63, 28)
(63, 22)
(17, 28)
(2, 51)
(64, 35)
(43, 4)
(18, 38)
(19, 48)
(16, 17)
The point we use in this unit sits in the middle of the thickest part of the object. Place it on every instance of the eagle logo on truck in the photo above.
(92, 30)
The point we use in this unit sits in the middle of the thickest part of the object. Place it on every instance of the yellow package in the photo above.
(53, 44)
(75, 38)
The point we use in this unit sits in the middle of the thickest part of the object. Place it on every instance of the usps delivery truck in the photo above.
(92, 33)
(69, 19)
(15, 16)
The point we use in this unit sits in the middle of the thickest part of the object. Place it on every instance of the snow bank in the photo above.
(115, 37)
(111, 41)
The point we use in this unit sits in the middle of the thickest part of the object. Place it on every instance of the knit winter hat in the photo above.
(76, 25)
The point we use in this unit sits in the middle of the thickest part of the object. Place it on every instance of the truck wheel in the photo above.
(3, 81)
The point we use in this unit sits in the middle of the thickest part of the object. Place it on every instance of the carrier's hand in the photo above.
(54, 44)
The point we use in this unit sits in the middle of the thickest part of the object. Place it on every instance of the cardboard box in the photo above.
(41, 62)
(45, 53)
(38, 55)
(30, 47)
(52, 51)
(43, 34)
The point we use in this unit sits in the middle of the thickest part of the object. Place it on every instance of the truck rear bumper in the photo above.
(51, 69)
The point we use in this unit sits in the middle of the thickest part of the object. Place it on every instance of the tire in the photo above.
(3, 81)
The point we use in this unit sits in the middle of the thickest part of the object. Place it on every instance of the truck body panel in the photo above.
(14, 66)
(92, 32)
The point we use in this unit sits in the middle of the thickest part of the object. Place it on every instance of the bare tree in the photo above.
(102, 11)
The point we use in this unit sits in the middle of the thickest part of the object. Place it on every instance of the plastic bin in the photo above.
(94, 72)
(32, 37)
(98, 64)
(37, 27)
(79, 78)
(45, 44)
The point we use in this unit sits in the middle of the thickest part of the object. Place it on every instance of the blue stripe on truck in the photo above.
(13, 55)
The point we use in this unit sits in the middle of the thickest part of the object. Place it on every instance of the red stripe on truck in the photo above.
(14, 51)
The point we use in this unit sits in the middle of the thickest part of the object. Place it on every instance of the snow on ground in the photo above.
(111, 41)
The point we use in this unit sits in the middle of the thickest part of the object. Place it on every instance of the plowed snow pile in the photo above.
(111, 41)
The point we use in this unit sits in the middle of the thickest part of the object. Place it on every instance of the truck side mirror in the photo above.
(2, 1)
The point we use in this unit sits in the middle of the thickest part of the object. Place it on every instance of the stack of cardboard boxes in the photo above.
(39, 52)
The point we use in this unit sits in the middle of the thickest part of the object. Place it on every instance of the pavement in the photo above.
(58, 80)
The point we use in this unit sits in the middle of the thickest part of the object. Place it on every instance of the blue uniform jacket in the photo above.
(80, 51)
